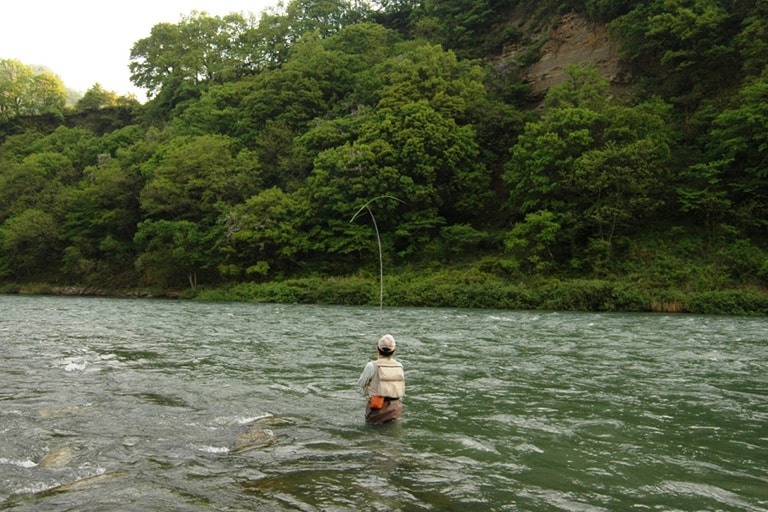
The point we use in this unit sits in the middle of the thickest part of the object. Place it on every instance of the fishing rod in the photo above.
(367, 206)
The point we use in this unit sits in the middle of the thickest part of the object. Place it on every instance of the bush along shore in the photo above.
(452, 289)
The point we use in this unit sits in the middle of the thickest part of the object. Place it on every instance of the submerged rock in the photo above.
(252, 439)
(85, 482)
(57, 458)
(61, 411)
(258, 434)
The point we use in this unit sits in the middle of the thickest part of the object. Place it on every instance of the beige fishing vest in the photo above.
(388, 379)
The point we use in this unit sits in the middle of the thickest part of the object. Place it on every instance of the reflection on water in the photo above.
(160, 405)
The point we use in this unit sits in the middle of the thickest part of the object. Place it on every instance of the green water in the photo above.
(160, 405)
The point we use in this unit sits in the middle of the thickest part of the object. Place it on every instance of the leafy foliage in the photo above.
(264, 137)
(96, 98)
(594, 166)
(23, 91)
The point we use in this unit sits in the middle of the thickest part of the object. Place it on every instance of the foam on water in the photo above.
(19, 463)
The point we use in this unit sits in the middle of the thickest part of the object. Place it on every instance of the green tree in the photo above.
(190, 176)
(32, 184)
(26, 92)
(281, 27)
(264, 235)
(596, 166)
(532, 243)
(303, 89)
(15, 83)
(619, 180)
(752, 41)
(413, 143)
(687, 46)
(738, 145)
(702, 195)
(437, 155)
(199, 49)
(584, 87)
(425, 105)
(608, 9)
(100, 222)
(96, 98)
(472, 28)
(78, 145)
(343, 179)
(452, 87)
(311, 84)
(414, 154)
(29, 244)
(48, 93)
(17, 147)
(171, 251)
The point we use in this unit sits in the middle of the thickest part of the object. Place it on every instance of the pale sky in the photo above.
(85, 42)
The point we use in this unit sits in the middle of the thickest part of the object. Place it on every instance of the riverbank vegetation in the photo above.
(279, 158)
(452, 288)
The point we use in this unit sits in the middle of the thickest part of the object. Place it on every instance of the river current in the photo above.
(137, 404)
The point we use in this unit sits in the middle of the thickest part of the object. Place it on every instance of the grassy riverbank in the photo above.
(456, 288)
(476, 290)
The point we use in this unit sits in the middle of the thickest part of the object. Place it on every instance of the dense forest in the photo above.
(294, 155)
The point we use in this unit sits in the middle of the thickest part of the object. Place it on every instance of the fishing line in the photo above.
(367, 206)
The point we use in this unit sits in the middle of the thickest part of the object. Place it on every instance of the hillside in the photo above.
(608, 156)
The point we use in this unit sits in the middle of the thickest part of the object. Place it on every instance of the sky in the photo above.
(86, 42)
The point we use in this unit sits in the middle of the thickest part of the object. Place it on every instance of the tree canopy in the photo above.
(264, 136)
(24, 92)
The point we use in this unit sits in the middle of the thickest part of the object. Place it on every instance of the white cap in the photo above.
(386, 344)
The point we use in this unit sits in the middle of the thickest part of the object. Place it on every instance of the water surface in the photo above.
(117, 404)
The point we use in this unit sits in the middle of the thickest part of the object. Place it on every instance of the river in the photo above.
(138, 404)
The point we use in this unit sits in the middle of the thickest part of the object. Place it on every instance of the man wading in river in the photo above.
(383, 381)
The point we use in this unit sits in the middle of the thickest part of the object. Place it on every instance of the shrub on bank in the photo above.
(454, 288)
(591, 295)
(471, 288)
(448, 288)
(728, 302)
(281, 292)
(474, 289)
(9, 288)
(310, 290)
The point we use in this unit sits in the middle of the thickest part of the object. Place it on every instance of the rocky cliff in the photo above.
(572, 39)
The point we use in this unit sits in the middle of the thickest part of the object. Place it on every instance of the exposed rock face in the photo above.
(573, 40)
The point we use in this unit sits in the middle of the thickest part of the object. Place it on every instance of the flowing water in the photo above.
(118, 404)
